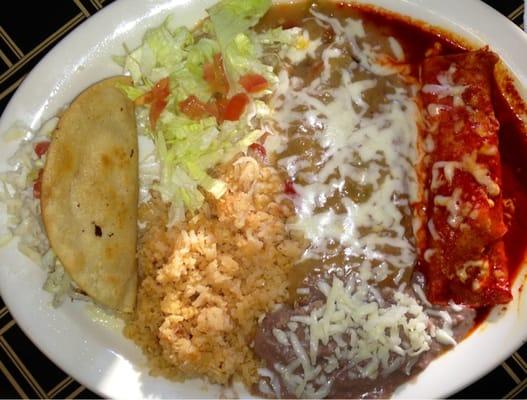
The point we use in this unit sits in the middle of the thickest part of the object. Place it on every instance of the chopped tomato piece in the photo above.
(37, 185)
(253, 83)
(193, 107)
(160, 90)
(196, 109)
(41, 148)
(156, 108)
(157, 98)
(289, 187)
(208, 72)
(217, 108)
(236, 107)
(214, 74)
(160, 93)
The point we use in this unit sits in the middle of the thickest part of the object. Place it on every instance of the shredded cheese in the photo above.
(480, 174)
(482, 267)
(372, 331)
(453, 205)
(468, 164)
(447, 87)
(358, 328)
(396, 48)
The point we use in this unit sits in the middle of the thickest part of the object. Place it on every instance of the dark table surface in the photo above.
(24, 371)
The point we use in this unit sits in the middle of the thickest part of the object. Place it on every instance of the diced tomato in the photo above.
(208, 72)
(160, 93)
(196, 109)
(216, 108)
(41, 148)
(236, 107)
(214, 74)
(37, 185)
(156, 108)
(157, 98)
(160, 90)
(193, 107)
(289, 187)
(253, 83)
(258, 149)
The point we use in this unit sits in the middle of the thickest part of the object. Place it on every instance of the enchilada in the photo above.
(464, 259)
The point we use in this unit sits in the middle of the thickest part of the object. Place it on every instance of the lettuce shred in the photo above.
(186, 147)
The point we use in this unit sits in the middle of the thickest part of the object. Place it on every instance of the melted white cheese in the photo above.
(373, 150)
(396, 48)
(468, 164)
(352, 31)
(304, 47)
(481, 265)
(434, 109)
(453, 205)
(447, 87)
(448, 167)
(429, 144)
(432, 229)
(480, 173)
(385, 145)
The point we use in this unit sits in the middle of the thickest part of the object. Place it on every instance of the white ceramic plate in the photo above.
(96, 354)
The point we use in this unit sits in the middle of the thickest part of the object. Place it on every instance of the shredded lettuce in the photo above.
(231, 17)
(188, 148)
(132, 92)
(242, 48)
(231, 21)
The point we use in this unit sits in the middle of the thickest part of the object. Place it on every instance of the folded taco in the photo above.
(90, 192)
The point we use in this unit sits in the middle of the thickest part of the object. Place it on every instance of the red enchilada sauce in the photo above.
(418, 42)
(513, 149)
